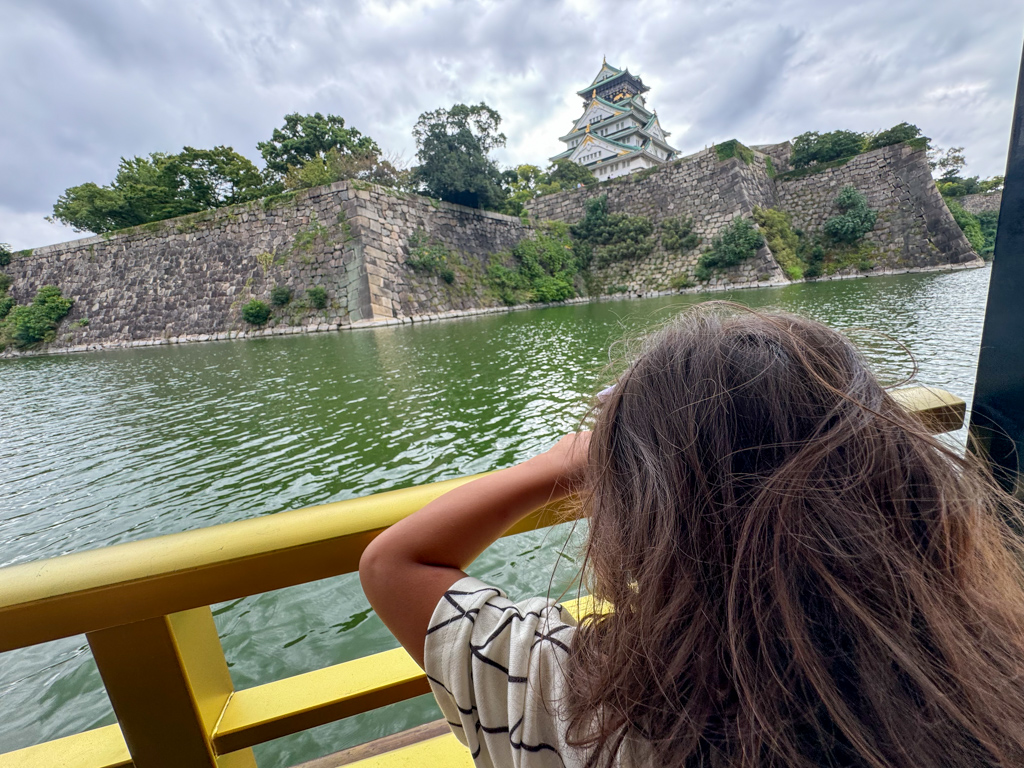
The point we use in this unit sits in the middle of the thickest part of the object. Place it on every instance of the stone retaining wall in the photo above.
(914, 228)
(977, 203)
(710, 191)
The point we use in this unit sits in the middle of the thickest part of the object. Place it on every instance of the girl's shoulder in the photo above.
(495, 667)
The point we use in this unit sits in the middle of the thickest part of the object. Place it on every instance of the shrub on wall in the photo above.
(543, 268)
(256, 312)
(777, 229)
(5, 254)
(429, 257)
(317, 296)
(897, 135)
(610, 237)
(677, 235)
(280, 295)
(26, 325)
(5, 283)
(855, 219)
(735, 244)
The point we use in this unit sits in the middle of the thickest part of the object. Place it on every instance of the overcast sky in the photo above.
(85, 82)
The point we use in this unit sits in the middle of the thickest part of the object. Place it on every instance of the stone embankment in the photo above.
(187, 279)
(979, 203)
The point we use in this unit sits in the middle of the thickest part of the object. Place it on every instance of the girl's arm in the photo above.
(407, 569)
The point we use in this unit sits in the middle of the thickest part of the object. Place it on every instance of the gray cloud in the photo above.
(85, 83)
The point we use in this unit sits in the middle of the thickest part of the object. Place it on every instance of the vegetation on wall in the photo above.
(732, 148)
(429, 257)
(27, 325)
(540, 269)
(280, 295)
(317, 297)
(736, 243)
(677, 235)
(256, 312)
(607, 238)
(777, 229)
(5, 254)
(855, 218)
(819, 150)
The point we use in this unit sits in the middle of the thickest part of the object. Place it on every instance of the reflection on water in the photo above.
(115, 446)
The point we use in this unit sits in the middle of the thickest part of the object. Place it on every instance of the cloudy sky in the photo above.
(85, 82)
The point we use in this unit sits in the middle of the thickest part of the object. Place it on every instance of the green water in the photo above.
(111, 447)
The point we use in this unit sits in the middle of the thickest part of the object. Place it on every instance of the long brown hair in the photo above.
(801, 575)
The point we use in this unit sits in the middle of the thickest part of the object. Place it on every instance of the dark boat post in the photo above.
(997, 420)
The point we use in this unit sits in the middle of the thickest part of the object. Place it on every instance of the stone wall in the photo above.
(914, 227)
(188, 278)
(977, 203)
(390, 225)
(710, 191)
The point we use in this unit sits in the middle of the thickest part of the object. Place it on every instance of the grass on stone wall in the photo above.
(606, 238)
(783, 241)
(732, 148)
(429, 257)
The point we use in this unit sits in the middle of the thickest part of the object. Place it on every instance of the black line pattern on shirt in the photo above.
(477, 652)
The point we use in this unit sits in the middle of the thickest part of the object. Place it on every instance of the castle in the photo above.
(616, 134)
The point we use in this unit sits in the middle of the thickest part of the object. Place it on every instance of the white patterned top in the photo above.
(496, 670)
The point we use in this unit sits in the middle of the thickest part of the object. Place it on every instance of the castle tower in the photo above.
(617, 134)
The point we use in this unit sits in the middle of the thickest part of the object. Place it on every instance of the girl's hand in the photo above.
(566, 462)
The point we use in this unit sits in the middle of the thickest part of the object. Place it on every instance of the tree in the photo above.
(949, 162)
(305, 137)
(160, 187)
(452, 149)
(336, 165)
(813, 147)
(567, 174)
(896, 135)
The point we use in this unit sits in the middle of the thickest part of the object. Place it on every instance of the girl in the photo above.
(797, 575)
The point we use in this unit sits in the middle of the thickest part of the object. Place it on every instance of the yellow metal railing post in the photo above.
(169, 683)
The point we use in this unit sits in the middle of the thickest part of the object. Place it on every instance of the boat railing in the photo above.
(144, 608)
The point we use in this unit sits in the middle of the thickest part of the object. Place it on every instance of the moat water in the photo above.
(115, 446)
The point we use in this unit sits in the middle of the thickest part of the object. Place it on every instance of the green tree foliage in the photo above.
(854, 220)
(735, 244)
(988, 221)
(813, 147)
(5, 254)
(452, 150)
(949, 162)
(305, 137)
(160, 187)
(568, 175)
(256, 312)
(777, 229)
(611, 237)
(896, 135)
(543, 268)
(337, 165)
(677, 235)
(530, 182)
(970, 225)
(27, 325)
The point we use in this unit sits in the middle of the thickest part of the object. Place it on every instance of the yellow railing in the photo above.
(145, 610)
